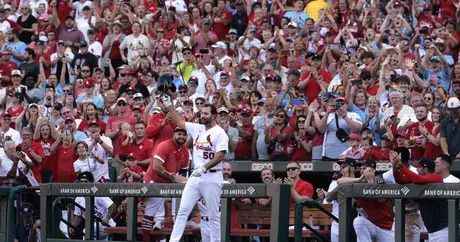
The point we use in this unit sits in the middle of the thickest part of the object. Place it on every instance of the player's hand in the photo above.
(246, 201)
(320, 193)
(379, 180)
(166, 100)
(198, 171)
(231, 181)
(105, 222)
(179, 179)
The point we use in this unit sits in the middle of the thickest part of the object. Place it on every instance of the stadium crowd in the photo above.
(293, 80)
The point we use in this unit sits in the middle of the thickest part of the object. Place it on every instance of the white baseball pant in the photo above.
(208, 186)
(155, 206)
(102, 234)
(62, 226)
(413, 226)
(334, 231)
(439, 236)
(367, 231)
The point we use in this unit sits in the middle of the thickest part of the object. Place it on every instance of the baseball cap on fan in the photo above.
(453, 104)
(220, 44)
(369, 163)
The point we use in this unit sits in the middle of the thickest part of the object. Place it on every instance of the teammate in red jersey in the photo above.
(169, 158)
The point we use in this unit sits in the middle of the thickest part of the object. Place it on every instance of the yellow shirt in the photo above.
(187, 72)
(313, 8)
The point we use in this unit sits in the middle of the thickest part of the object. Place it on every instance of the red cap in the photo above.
(401, 134)
(69, 119)
(244, 108)
(188, 101)
(397, 4)
(132, 155)
(93, 122)
(138, 108)
(341, 99)
(4, 114)
(224, 73)
(130, 71)
(89, 82)
(269, 76)
(426, 7)
(355, 136)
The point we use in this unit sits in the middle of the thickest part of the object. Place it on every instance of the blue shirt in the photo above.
(298, 17)
(441, 78)
(372, 125)
(97, 100)
(18, 47)
(79, 136)
(362, 114)
(58, 90)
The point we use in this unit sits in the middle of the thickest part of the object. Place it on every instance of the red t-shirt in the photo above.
(413, 134)
(157, 132)
(303, 188)
(431, 150)
(131, 179)
(36, 147)
(113, 124)
(63, 170)
(143, 150)
(219, 28)
(376, 212)
(244, 147)
(372, 90)
(84, 126)
(14, 114)
(173, 159)
(280, 148)
(300, 154)
(48, 159)
(312, 89)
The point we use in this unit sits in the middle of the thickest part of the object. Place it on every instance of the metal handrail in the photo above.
(299, 222)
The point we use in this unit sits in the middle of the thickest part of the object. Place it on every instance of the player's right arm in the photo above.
(161, 170)
(175, 116)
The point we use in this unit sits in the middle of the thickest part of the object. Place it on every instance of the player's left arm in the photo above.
(305, 192)
(111, 211)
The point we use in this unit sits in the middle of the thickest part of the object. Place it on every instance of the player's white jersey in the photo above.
(101, 206)
(206, 143)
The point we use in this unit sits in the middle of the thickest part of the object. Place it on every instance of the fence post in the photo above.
(280, 211)
(131, 233)
(46, 202)
(400, 217)
(453, 219)
(298, 221)
(226, 219)
(89, 218)
(11, 209)
(346, 219)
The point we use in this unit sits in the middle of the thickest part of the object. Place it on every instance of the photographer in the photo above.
(21, 165)
(87, 161)
(337, 124)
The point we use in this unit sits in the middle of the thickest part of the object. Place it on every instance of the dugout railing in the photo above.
(49, 192)
(398, 193)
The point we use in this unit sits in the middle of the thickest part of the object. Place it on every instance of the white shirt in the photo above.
(178, 4)
(54, 56)
(78, 6)
(95, 48)
(451, 179)
(101, 206)
(134, 45)
(34, 6)
(103, 171)
(406, 114)
(207, 143)
(83, 26)
(15, 135)
(5, 165)
(233, 135)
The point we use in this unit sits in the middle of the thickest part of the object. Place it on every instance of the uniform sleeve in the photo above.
(192, 129)
(153, 127)
(161, 152)
(418, 179)
(104, 202)
(81, 202)
(222, 142)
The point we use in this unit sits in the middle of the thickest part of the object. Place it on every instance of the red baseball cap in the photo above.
(89, 82)
(138, 108)
(426, 7)
(355, 136)
(401, 134)
(132, 155)
(94, 122)
(69, 119)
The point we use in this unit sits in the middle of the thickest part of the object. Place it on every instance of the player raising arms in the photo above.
(210, 142)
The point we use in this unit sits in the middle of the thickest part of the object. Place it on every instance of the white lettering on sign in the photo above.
(383, 166)
(381, 192)
(74, 191)
(306, 166)
(260, 166)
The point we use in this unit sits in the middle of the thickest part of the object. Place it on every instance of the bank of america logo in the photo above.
(405, 190)
(94, 189)
(144, 189)
(251, 190)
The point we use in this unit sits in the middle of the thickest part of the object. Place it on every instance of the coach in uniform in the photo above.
(434, 211)
(170, 157)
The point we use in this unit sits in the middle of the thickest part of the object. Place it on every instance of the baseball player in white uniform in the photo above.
(210, 142)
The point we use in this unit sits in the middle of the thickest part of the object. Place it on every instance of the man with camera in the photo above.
(21, 165)
(139, 145)
(102, 148)
(32, 149)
